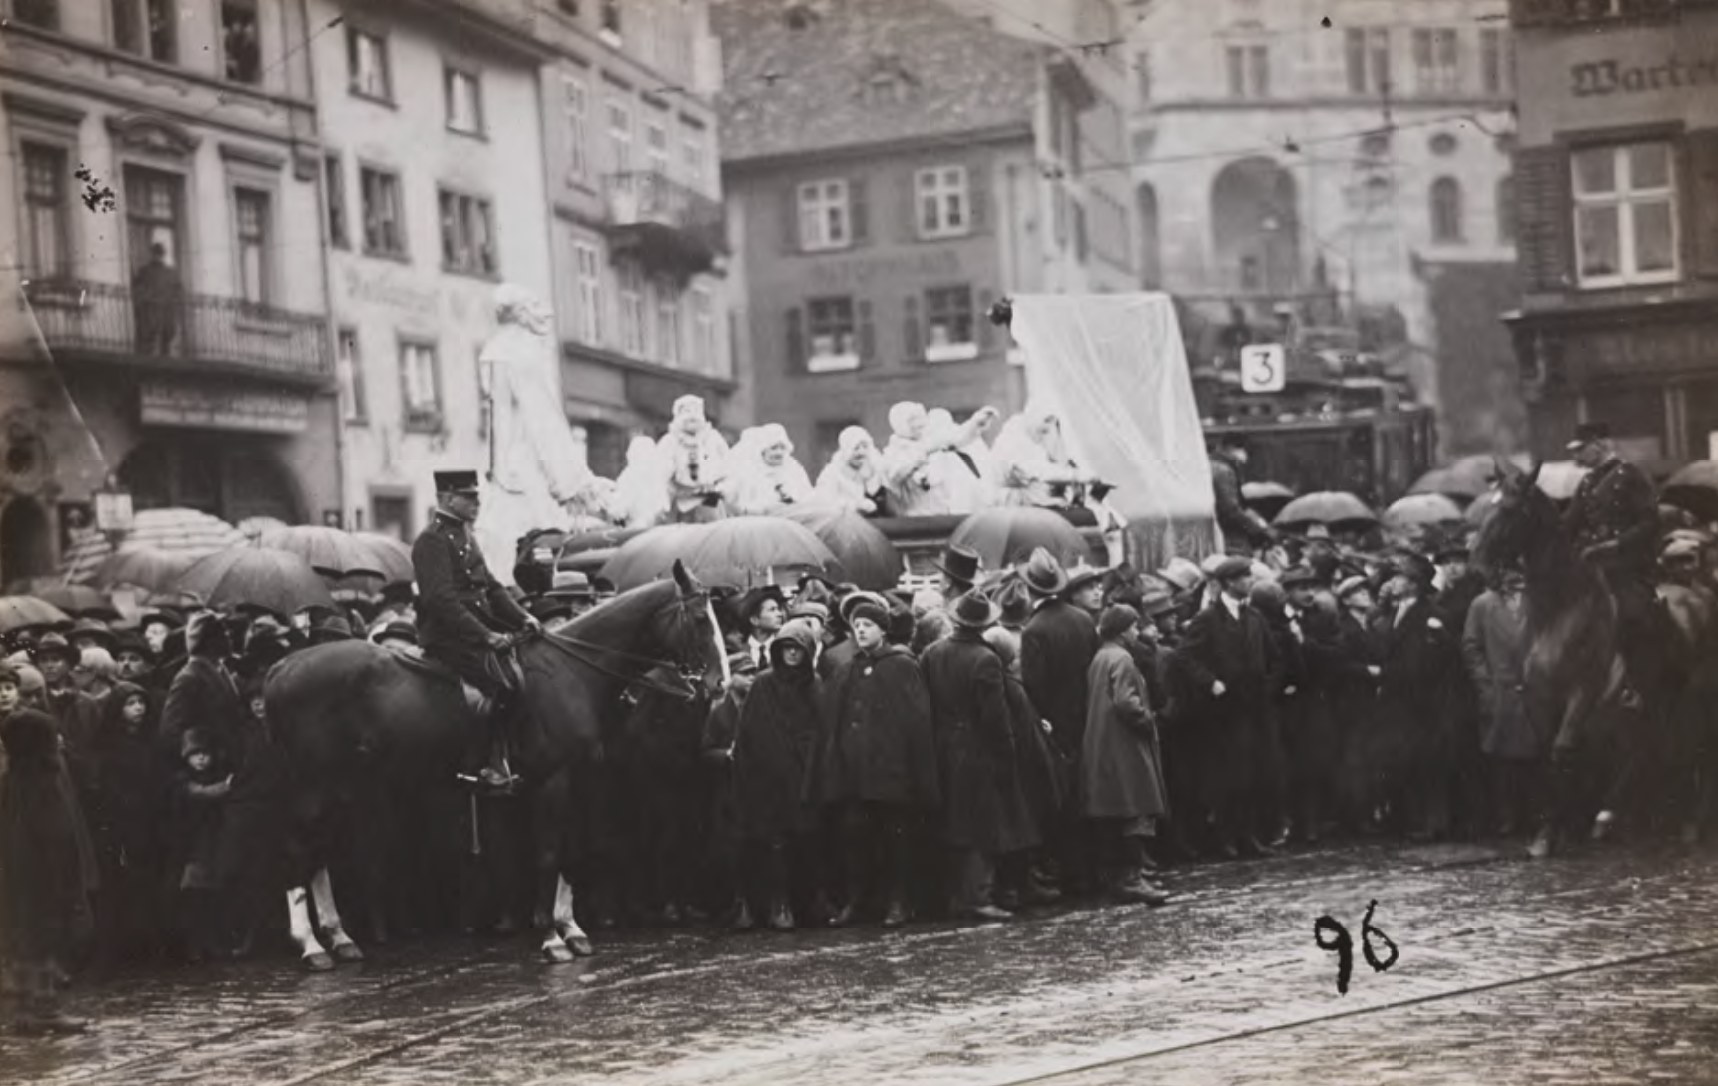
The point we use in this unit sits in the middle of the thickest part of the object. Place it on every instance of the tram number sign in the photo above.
(1263, 367)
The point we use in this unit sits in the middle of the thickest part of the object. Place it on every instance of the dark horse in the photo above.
(353, 718)
(1574, 674)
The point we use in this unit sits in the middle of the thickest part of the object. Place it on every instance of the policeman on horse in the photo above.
(467, 620)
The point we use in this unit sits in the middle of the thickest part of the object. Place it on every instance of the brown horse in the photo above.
(1574, 676)
(354, 719)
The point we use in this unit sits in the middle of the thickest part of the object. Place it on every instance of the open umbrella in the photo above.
(179, 531)
(1420, 510)
(73, 599)
(1008, 534)
(1266, 497)
(1695, 488)
(332, 552)
(279, 581)
(735, 551)
(864, 553)
(393, 557)
(254, 528)
(143, 567)
(17, 612)
(650, 554)
(1325, 507)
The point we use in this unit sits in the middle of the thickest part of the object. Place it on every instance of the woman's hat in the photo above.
(974, 611)
(330, 628)
(52, 644)
(868, 606)
(1159, 602)
(1044, 575)
(1298, 577)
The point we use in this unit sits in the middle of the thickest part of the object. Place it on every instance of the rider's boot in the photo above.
(487, 758)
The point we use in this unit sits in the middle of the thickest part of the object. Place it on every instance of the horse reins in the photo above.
(572, 647)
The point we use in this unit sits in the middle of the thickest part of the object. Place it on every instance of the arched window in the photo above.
(1506, 210)
(1446, 209)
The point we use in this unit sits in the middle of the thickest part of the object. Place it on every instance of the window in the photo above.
(949, 328)
(42, 13)
(367, 65)
(1368, 54)
(334, 182)
(667, 323)
(349, 372)
(823, 215)
(1249, 71)
(577, 112)
(154, 211)
(1625, 214)
(467, 234)
(1493, 61)
(833, 335)
(1506, 210)
(942, 201)
(656, 146)
(611, 18)
(241, 47)
(620, 135)
(1435, 62)
(251, 209)
(587, 274)
(464, 95)
(384, 219)
(420, 384)
(1446, 210)
(692, 157)
(47, 216)
(148, 28)
(631, 282)
(704, 358)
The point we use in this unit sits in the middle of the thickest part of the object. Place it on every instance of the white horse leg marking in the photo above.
(322, 890)
(298, 922)
(565, 922)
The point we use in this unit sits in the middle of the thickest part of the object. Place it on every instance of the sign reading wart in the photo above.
(1599, 78)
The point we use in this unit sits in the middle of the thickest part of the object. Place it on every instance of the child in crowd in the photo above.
(201, 792)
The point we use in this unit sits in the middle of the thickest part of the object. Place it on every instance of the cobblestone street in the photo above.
(1598, 968)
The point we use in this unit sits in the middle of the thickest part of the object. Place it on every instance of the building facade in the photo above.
(893, 167)
(639, 241)
(1344, 158)
(161, 157)
(1618, 187)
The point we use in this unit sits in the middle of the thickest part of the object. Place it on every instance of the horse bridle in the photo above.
(590, 654)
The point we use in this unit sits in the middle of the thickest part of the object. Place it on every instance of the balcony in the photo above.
(665, 224)
(1566, 12)
(100, 322)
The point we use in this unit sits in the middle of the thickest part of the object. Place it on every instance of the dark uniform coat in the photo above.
(984, 808)
(1056, 649)
(460, 603)
(1616, 503)
(877, 743)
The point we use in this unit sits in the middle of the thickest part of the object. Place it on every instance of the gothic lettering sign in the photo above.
(1641, 73)
(864, 271)
(1602, 78)
(1642, 349)
(164, 403)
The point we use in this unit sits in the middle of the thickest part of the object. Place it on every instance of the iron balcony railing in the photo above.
(650, 198)
(104, 319)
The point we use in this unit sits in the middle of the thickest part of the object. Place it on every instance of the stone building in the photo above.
(1618, 189)
(892, 168)
(160, 166)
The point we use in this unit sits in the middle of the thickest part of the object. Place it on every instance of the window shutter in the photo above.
(985, 332)
(1702, 201)
(796, 355)
(858, 214)
(790, 220)
(978, 197)
(1544, 219)
(910, 334)
(867, 332)
(909, 206)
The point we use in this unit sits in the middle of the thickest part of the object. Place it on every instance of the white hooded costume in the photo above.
(967, 461)
(641, 489)
(853, 475)
(695, 460)
(1029, 459)
(764, 477)
(921, 468)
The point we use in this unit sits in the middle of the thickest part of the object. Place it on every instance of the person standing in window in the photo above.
(156, 296)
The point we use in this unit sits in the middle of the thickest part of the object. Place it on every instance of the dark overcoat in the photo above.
(775, 737)
(1494, 649)
(984, 808)
(1121, 765)
(1416, 703)
(1232, 731)
(1043, 768)
(1056, 649)
(203, 697)
(44, 892)
(876, 743)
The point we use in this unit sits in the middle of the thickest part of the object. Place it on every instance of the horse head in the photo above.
(687, 630)
(1521, 520)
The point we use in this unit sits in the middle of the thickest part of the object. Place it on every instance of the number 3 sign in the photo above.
(1263, 367)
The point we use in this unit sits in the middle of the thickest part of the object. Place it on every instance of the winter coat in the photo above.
(1042, 767)
(1420, 667)
(44, 884)
(1231, 733)
(1494, 649)
(984, 808)
(127, 790)
(200, 801)
(1056, 650)
(776, 736)
(203, 697)
(876, 738)
(1121, 765)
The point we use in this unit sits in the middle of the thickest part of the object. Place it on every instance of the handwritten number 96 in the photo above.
(1343, 943)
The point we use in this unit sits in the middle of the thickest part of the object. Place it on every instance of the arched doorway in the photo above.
(1150, 241)
(26, 541)
(226, 476)
(1255, 221)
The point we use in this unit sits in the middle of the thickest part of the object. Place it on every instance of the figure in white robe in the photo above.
(695, 459)
(853, 478)
(641, 489)
(919, 469)
(765, 478)
(536, 468)
(1030, 464)
(965, 467)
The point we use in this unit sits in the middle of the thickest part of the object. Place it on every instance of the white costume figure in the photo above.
(765, 476)
(695, 463)
(920, 467)
(1030, 464)
(640, 490)
(535, 466)
(967, 466)
(853, 475)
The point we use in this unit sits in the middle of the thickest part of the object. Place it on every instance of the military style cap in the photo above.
(456, 482)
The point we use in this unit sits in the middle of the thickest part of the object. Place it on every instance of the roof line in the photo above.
(990, 134)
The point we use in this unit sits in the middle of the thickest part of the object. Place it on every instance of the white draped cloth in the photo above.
(537, 466)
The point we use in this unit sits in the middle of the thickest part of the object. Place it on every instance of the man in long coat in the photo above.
(983, 808)
(1494, 649)
(1421, 667)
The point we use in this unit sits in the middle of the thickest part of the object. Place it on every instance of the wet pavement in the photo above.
(1595, 968)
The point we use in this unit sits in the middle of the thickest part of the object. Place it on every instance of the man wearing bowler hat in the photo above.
(959, 567)
(464, 614)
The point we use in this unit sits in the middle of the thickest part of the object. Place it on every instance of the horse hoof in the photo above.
(319, 962)
(581, 946)
(557, 954)
(347, 953)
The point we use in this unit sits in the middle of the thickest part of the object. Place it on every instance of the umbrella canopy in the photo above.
(393, 556)
(1421, 510)
(254, 528)
(650, 554)
(279, 581)
(332, 552)
(178, 531)
(734, 551)
(1005, 535)
(143, 567)
(1325, 507)
(17, 612)
(73, 599)
(1695, 488)
(1466, 478)
(1266, 497)
(864, 553)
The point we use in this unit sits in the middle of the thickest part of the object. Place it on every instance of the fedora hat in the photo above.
(93, 629)
(1014, 603)
(753, 600)
(571, 585)
(1081, 576)
(328, 628)
(1158, 602)
(1231, 567)
(974, 611)
(1044, 575)
(397, 630)
(959, 564)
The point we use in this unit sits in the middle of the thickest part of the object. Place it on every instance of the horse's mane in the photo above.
(1526, 526)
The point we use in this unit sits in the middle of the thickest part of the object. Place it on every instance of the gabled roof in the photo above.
(847, 73)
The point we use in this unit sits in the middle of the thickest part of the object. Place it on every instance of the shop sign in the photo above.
(205, 408)
(1642, 348)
